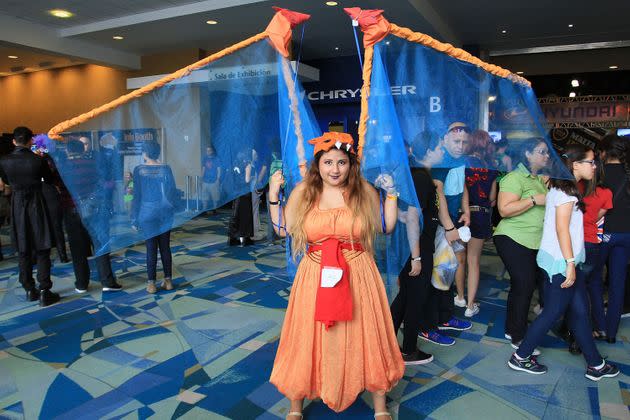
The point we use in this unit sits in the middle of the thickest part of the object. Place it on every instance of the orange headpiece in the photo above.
(329, 140)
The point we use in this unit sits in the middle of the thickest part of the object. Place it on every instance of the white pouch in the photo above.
(331, 276)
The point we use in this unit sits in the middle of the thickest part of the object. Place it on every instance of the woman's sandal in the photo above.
(295, 413)
(382, 413)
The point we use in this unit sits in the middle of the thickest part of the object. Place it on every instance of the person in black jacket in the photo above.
(52, 198)
(241, 225)
(31, 230)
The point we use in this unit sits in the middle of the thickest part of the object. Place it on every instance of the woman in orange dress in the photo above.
(338, 337)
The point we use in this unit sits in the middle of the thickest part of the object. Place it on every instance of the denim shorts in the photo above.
(481, 224)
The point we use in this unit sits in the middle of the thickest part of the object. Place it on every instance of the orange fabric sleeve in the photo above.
(295, 112)
(365, 94)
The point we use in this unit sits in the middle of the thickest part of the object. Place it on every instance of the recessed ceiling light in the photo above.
(570, 25)
(492, 98)
(211, 22)
(504, 31)
(60, 13)
(336, 48)
(613, 67)
(520, 72)
(331, 3)
(386, 42)
(575, 83)
(13, 56)
(118, 37)
(571, 94)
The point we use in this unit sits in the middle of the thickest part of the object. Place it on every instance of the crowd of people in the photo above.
(555, 232)
(41, 204)
(337, 339)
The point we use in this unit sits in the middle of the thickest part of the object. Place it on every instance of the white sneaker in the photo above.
(507, 336)
(80, 291)
(459, 302)
(536, 352)
(472, 312)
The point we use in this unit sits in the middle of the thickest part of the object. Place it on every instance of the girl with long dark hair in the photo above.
(560, 255)
(598, 200)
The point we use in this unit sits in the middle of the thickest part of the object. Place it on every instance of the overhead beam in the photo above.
(152, 16)
(42, 38)
(561, 48)
(441, 27)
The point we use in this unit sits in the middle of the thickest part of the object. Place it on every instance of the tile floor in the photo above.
(205, 349)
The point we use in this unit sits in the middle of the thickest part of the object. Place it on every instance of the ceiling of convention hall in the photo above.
(533, 37)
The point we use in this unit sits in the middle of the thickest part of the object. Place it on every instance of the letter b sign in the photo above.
(434, 104)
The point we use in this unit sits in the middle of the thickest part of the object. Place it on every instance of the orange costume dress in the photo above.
(351, 356)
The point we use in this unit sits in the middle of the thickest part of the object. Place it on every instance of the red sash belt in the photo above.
(334, 303)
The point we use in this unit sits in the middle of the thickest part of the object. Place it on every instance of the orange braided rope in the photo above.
(55, 132)
(454, 52)
(297, 122)
(365, 94)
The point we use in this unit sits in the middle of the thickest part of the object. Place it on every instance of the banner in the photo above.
(586, 112)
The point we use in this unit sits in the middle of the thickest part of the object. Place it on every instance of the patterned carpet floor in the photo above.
(205, 350)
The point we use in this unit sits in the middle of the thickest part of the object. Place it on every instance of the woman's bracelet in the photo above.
(533, 200)
(273, 203)
(448, 230)
(416, 259)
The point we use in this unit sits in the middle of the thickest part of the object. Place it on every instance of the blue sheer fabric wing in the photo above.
(220, 129)
(384, 152)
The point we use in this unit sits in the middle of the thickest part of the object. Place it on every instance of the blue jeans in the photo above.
(163, 242)
(155, 221)
(616, 250)
(557, 301)
(591, 271)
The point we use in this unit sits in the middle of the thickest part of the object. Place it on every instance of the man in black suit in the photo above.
(24, 171)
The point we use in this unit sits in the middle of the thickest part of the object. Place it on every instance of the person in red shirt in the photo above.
(597, 202)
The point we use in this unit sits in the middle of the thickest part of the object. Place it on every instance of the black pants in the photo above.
(242, 221)
(525, 275)
(43, 269)
(55, 214)
(411, 303)
(163, 243)
(81, 249)
(441, 308)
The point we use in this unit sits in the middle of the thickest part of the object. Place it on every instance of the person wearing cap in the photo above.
(449, 179)
(337, 339)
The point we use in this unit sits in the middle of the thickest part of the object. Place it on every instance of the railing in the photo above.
(196, 198)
